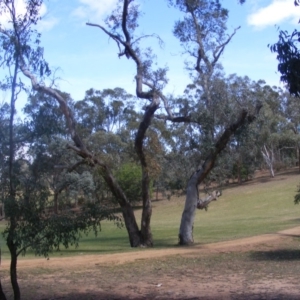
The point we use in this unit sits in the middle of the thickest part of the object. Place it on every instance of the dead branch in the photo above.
(203, 203)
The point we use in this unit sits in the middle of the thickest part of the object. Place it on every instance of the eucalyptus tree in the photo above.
(202, 33)
(25, 190)
(288, 57)
(102, 110)
(11, 59)
(291, 113)
(120, 26)
(30, 67)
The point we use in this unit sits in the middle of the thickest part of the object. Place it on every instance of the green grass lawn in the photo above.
(256, 207)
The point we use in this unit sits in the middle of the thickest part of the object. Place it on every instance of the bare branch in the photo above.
(209, 162)
(124, 21)
(166, 105)
(181, 119)
(219, 50)
(203, 204)
(160, 41)
(116, 38)
(201, 52)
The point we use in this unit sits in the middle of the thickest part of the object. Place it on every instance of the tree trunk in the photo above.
(133, 231)
(13, 267)
(269, 159)
(146, 234)
(239, 170)
(55, 203)
(2, 295)
(298, 152)
(188, 215)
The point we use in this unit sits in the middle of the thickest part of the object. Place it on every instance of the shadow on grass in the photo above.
(276, 255)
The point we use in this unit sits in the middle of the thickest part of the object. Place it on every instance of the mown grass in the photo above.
(256, 207)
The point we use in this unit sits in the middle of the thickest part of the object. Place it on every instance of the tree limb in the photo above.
(209, 162)
(219, 50)
(203, 203)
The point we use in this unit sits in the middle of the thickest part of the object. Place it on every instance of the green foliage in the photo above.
(45, 232)
(297, 196)
(288, 56)
(129, 177)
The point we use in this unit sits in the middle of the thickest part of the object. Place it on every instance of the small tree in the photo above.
(25, 188)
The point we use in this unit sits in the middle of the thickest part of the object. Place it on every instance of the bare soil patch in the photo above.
(261, 267)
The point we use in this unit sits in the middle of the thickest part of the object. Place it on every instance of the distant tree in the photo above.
(291, 113)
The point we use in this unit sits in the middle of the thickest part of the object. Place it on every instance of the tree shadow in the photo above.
(276, 255)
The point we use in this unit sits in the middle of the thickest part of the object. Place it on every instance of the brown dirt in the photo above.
(261, 267)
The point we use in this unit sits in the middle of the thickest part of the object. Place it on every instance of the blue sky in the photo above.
(84, 57)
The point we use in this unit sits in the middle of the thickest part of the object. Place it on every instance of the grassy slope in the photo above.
(259, 206)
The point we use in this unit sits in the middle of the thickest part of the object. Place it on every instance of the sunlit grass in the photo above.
(256, 207)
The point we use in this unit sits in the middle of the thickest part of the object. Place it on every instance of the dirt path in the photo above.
(254, 268)
(239, 245)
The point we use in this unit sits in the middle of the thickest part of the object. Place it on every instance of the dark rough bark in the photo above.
(2, 295)
(146, 233)
(134, 234)
(188, 215)
(13, 267)
(12, 189)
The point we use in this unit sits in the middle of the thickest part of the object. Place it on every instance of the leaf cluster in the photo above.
(288, 56)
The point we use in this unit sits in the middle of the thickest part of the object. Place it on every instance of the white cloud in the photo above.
(20, 6)
(47, 24)
(276, 12)
(20, 9)
(93, 8)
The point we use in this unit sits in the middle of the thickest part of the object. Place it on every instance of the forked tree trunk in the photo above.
(188, 215)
